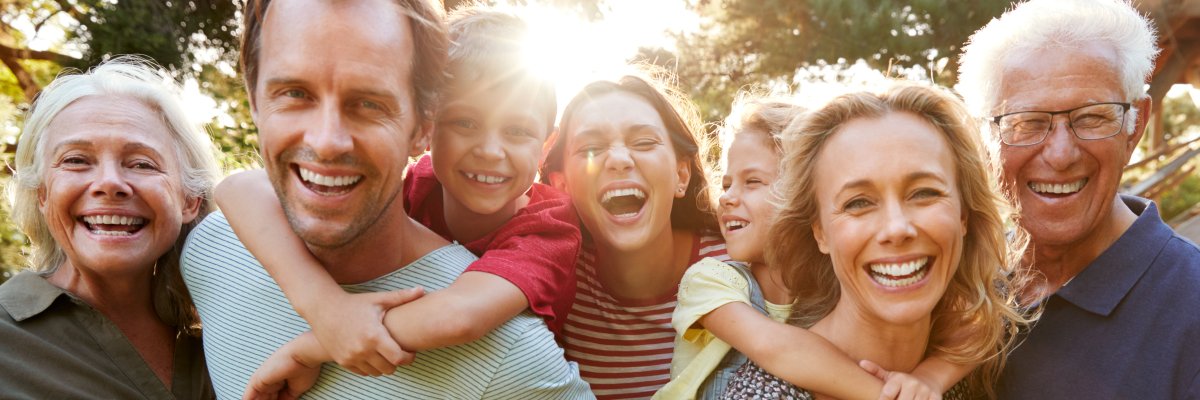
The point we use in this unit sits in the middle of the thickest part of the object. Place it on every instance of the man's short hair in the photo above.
(1043, 24)
(429, 49)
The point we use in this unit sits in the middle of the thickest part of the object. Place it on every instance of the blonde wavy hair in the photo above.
(977, 318)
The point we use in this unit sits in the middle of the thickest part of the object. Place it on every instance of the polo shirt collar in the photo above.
(28, 294)
(1100, 287)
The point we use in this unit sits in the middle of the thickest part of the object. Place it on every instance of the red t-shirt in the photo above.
(535, 250)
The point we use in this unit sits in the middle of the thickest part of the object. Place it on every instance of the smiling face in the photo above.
(1066, 186)
(621, 170)
(335, 113)
(890, 216)
(487, 145)
(746, 211)
(112, 195)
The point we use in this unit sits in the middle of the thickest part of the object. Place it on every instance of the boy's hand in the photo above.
(899, 385)
(350, 327)
(284, 375)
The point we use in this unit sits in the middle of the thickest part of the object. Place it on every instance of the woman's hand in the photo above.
(350, 327)
(899, 385)
(286, 374)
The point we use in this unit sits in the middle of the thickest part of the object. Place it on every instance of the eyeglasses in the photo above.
(1090, 122)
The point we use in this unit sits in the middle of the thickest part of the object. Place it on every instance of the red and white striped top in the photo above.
(624, 348)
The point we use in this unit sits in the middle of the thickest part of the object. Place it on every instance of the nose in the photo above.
(730, 198)
(111, 181)
(1060, 150)
(489, 146)
(618, 159)
(898, 228)
(329, 137)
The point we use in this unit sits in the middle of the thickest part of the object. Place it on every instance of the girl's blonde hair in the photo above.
(977, 318)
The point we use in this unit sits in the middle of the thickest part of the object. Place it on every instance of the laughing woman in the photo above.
(892, 231)
(629, 157)
(110, 176)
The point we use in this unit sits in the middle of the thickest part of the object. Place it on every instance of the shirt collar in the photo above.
(28, 294)
(1101, 286)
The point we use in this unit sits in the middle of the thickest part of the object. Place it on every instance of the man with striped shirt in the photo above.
(342, 93)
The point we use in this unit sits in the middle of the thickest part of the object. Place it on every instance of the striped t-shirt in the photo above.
(624, 348)
(246, 318)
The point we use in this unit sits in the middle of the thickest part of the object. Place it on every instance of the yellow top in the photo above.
(705, 286)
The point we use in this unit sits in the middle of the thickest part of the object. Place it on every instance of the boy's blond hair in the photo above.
(488, 47)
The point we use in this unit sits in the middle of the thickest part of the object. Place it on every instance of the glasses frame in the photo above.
(1124, 111)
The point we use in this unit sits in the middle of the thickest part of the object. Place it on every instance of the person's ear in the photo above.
(191, 208)
(558, 181)
(41, 198)
(1144, 106)
(420, 139)
(819, 236)
(685, 177)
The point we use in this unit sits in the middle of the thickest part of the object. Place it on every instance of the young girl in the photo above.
(720, 316)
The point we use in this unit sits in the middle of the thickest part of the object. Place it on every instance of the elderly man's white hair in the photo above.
(1050, 24)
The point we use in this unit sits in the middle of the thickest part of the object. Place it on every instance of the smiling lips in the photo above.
(326, 184)
(1057, 188)
(897, 275)
(623, 202)
(113, 225)
(481, 178)
(735, 224)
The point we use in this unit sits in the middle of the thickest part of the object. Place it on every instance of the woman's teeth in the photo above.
(113, 225)
(899, 274)
(638, 193)
(735, 225)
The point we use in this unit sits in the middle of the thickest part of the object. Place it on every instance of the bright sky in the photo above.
(574, 51)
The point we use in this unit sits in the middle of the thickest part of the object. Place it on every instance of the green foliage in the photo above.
(1182, 198)
(745, 42)
(169, 31)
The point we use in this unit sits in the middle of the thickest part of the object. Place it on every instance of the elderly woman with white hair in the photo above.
(110, 176)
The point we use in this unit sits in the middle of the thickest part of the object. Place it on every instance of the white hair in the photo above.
(1053, 24)
(132, 77)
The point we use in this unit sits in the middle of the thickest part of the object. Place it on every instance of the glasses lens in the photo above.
(1024, 128)
(1097, 121)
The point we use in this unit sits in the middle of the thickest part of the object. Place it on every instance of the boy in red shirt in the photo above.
(477, 188)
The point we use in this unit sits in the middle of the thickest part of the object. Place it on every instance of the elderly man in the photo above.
(342, 93)
(1062, 86)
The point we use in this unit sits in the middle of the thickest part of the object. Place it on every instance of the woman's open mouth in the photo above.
(113, 225)
(624, 202)
(897, 275)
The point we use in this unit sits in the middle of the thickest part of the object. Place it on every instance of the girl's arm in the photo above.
(349, 326)
(791, 353)
(475, 304)
(941, 374)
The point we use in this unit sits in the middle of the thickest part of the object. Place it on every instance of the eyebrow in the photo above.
(128, 147)
(911, 177)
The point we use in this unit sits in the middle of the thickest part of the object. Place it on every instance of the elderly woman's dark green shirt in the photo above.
(53, 345)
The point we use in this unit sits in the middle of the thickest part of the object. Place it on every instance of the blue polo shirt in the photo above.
(1127, 327)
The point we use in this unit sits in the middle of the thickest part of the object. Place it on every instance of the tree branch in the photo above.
(27, 54)
(28, 86)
